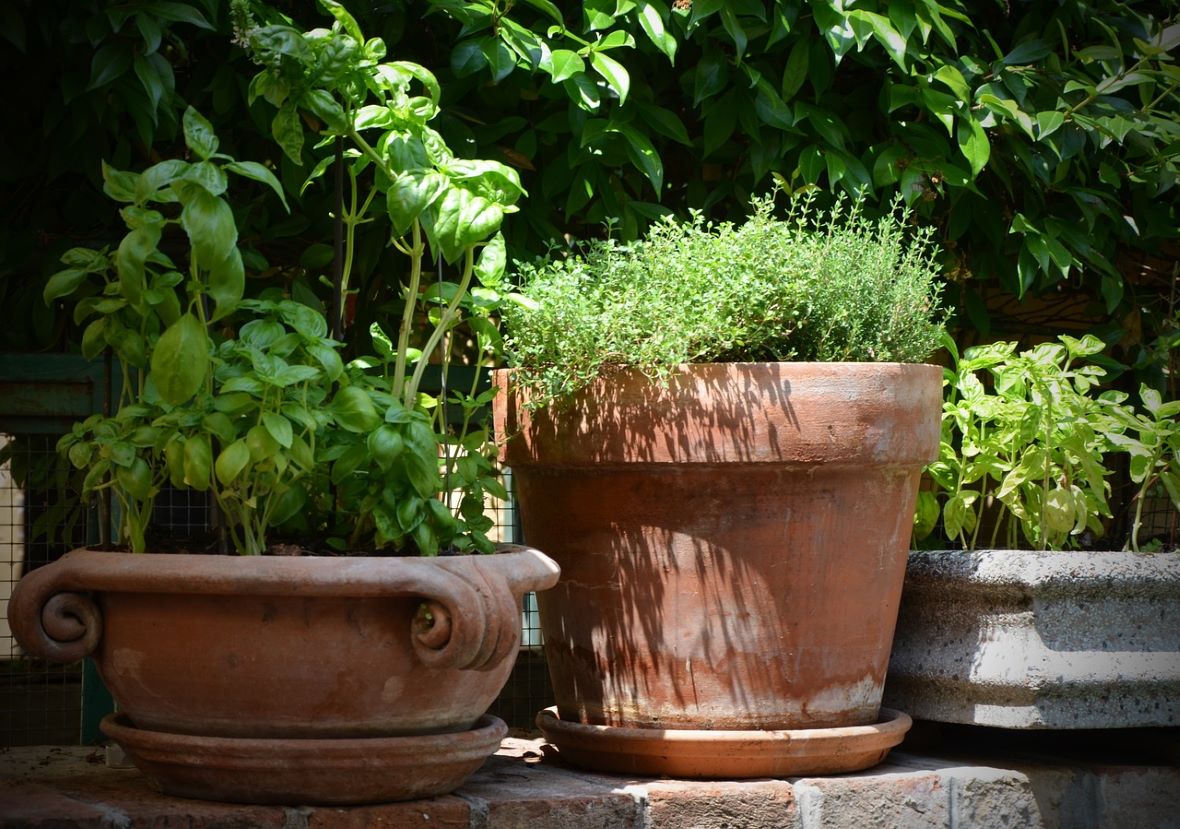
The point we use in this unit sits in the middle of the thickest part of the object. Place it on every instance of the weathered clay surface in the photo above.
(1022, 639)
(284, 646)
(724, 754)
(323, 771)
(732, 544)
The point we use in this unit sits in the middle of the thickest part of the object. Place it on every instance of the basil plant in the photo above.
(251, 400)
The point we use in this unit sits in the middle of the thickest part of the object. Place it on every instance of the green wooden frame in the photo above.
(45, 394)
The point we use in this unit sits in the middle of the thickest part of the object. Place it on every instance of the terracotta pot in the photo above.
(732, 544)
(286, 647)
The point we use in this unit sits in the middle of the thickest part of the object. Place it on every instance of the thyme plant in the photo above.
(807, 286)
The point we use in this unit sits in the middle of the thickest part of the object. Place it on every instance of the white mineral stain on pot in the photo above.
(391, 691)
(125, 662)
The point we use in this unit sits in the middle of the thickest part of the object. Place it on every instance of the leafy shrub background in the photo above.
(1037, 139)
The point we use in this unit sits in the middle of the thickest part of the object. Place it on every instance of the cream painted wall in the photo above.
(11, 549)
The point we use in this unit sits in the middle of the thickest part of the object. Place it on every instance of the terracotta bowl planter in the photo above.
(340, 655)
(732, 544)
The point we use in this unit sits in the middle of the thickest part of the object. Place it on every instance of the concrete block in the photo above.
(989, 798)
(1021, 639)
(753, 804)
(1138, 798)
(877, 800)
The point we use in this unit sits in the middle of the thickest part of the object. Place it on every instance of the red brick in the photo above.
(448, 812)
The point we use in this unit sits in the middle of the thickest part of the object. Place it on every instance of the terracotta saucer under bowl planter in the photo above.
(723, 754)
(327, 772)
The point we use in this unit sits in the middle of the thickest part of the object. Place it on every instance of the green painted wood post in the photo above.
(45, 394)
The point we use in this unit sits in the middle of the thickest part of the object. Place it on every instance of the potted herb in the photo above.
(1037, 621)
(353, 677)
(717, 432)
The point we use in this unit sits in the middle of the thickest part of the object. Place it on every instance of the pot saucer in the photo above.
(307, 771)
(724, 754)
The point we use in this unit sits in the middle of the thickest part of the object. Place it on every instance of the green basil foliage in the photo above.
(250, 399)
(1028, 443)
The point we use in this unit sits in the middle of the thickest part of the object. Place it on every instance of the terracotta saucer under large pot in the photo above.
(332, 660)
(733, 544)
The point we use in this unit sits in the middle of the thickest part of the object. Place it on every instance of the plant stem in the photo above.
(403, 332)
(444, 323)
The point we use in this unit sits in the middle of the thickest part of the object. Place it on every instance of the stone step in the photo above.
(524, 785)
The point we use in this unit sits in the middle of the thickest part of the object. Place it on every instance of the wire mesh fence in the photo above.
(40, 519)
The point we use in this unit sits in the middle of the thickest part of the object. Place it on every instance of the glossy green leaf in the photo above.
(198, 134)
(94, 338)
(344, 18)
(643, 155)
(209, 223)
(257, 172)
(1028, 52)
(63, 283)
(882, 30)
(226, 284)
(260, 444)
(231, 461)
(279, 428)
(651, 20)
(180, 360)
(665, 122)
(1048, 123)
(152, 83)
(130, 261)
(463, 219)
(119, 185)
(158, 176)
(410, 194)
(954, 80)
(354, 411)
(467, 58)
(174, 461)
(320, 103)
(973, 144)
(565, 64)
(287, 504)
(489, 267)
(136, 479)
(613, 72)
(796, 69)
(501, 60)
(176, 12)
(385, 445)
(288, 132)
(109, 63)
(198, 462)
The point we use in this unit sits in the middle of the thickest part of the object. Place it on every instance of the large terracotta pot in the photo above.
(732, 543)
(322, 650)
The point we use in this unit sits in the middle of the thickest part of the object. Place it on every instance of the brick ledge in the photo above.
(521, 786)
